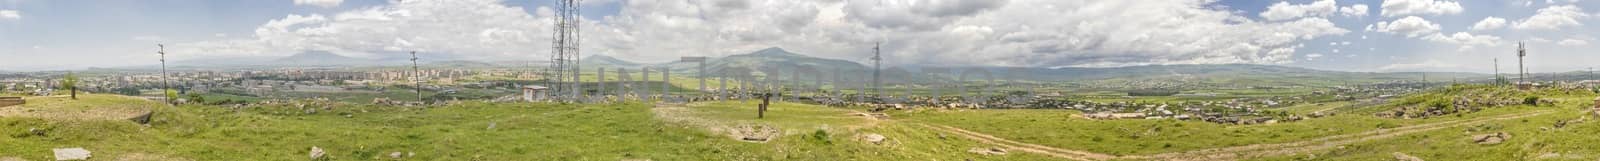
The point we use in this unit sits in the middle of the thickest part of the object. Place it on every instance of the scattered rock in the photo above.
(36, 131)
(1491, 139)
(316, 153)
(755, 133)
(71, 154)
(1403, 157)
(310, 111)
(143, 118)
(874, 138)
(411, 154)
(491, 126)
(988, 151)
(395, 155)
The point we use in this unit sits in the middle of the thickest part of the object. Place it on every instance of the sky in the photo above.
(1345, 35)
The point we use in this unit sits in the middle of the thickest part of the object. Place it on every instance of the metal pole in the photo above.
(416, 75)
(877, 59)
(162, 50)
(1522, 72)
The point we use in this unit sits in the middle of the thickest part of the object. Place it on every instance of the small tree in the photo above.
(172, 96)
(70, 82)
(196, 98)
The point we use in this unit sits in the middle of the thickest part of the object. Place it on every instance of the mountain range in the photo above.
(760, 60)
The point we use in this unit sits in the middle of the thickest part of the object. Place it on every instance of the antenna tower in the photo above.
(1522, 72)
(564, 50)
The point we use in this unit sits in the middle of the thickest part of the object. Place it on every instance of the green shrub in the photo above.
(1531, 100)
(821, 136)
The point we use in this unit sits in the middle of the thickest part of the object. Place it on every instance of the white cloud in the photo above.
(1411, 26)
(1285, 11)
(1397, 8)
(1357, 10)
(1313, 56)
(1467, 41)
(10, 15)
(1573, 42)
(1489, 23)
(492, 30)
(319, 3)
(1553, 17)
(1008, 33)
(915, 14)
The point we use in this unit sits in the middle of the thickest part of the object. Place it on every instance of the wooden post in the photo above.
(766, 99)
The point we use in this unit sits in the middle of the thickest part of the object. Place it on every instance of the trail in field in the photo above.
(1237, 152)
(1020, 146)
(1325, 110)
(678, 113)
(1259, 150)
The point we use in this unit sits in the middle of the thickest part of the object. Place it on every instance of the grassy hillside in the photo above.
(474, 131)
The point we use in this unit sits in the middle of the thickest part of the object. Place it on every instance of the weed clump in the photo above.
(821, 136)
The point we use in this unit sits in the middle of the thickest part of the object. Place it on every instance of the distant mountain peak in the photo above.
(598, 59)
(774, 51)
(323, 58)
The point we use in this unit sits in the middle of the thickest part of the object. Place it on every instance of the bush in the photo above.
(1531, 100)
(821, 136)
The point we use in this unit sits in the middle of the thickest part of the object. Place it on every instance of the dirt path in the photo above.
(1237, 152)
(1019, 146)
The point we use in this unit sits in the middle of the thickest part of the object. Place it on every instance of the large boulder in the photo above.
(988, 151)
(143, 118)
(874, 138)
(1403, 157)
(317, 154)
(71, 154)
(1491, 139)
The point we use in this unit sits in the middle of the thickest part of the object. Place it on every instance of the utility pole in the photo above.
(162, 50)
(877, 61)
(416, 75)
(1496, 70)
(1522, 72)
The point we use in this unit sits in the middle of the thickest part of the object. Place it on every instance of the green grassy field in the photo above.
(461, 132)
(704, 131)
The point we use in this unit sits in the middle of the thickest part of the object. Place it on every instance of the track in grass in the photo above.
(1232, 153)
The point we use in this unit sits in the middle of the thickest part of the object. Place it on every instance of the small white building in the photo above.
(533, 92)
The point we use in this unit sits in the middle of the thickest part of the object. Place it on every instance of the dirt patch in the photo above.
(56, 108)
(754, 133)
(148, 157)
